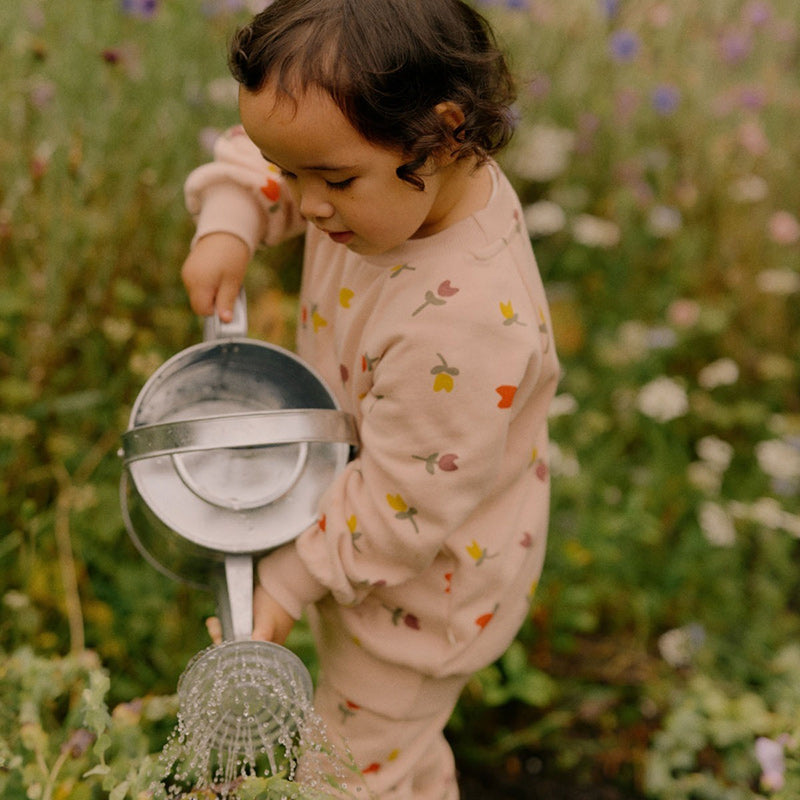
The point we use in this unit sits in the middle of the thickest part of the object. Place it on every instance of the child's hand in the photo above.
(271, 622)
(213, 273)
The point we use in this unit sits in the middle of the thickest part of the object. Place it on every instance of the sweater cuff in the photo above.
(285, 577)
(230, 209)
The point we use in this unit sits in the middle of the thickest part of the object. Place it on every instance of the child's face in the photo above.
(347, 186)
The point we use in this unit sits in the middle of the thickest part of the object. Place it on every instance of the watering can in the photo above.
(230, 445)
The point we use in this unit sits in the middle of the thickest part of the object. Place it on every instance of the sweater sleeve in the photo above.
(455, 408)
(239, 192)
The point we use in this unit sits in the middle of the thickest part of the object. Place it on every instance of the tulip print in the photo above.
(479, 554)
(271, 190)
(506, 395)
(345, 296)
(400, 615)
(395, 271)
(444, 375)
(402, 508)
(317, 320)
(355, 535)
(446, 463)
(443, 291)
(510, 317)
(484, 619)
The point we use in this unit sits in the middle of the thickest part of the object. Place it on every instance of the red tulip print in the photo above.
(506, 395)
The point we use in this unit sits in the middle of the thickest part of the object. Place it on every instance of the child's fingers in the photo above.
(226, 298)
(214, 628)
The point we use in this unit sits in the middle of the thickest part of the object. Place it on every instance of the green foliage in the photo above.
(654, 158)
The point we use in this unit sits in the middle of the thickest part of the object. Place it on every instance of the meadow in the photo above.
(656, 158)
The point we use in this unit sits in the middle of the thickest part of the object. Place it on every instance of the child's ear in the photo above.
(452, 116)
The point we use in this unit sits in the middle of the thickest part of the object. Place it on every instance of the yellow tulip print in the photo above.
(444, 373)
(510, 317)
(345, 296)
(404, 511)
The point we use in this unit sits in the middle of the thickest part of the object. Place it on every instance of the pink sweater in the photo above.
(432, 539)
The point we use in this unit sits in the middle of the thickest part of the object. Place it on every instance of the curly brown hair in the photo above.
(387, 64)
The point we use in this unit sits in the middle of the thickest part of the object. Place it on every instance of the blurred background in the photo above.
(656, 156)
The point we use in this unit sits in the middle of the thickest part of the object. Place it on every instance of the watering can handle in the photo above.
(241, 430)
(214, 328)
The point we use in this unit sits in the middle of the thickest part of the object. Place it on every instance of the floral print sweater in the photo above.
(431, 540)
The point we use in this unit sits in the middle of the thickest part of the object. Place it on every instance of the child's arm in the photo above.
(238, 201)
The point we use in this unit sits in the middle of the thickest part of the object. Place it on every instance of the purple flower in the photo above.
(624, 45)
(140, 8)
(609, 7)
(757, 12)
(735, 47)
(666, 99)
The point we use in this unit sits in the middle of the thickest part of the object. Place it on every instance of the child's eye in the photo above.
(339, 185)
(289, 176)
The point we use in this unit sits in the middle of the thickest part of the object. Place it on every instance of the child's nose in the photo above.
(314, 206)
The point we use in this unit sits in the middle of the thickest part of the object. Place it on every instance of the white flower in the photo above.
(704, 477)
(679, 646)
(544, 218)
(722, 372)
(563, 463)
(769, 754)
(595, 232)
(563, 405)
(715, 452)
(748, 189)
(778, 459)
(663, 399)
(542, 153)
(778, 281)
(717, 525)
(664, 221)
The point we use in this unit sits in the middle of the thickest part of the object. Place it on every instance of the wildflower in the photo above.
(609, 7)
(779, 459)
(753, 137)
(748, 189)
(562, 405)
(624, 46)
(778, 281)
(722, 372)
(679, 646)
(140, 8)
(663, 399)
(595, 232)
(543, 152)
(735, 47)
(42, 94)
(757, 12)
(784, 228)
(717, 525)
(544, 218)
(769, 754)
(684, 313)
(664, 221)
(666, 99)
(715, 452)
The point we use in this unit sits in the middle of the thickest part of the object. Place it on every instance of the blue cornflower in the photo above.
(610, 7)
(140, 8)
(666, 99)
(624, 45)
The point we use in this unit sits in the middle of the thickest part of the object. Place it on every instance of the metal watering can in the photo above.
(230, 444)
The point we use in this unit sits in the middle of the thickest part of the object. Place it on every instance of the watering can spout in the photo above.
(234, 592)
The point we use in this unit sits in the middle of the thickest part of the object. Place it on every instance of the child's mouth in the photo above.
(340, 237)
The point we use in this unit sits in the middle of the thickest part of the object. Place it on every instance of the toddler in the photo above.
(370, 125)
